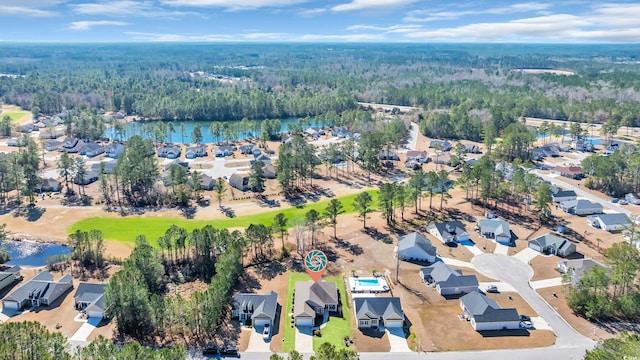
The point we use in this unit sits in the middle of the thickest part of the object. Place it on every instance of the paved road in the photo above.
(517, 274)
(605, 203)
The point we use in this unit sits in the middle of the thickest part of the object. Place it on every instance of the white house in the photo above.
(609, 222)
(9, 276)
(578, 267)
(633, 198)
(485, 314)
(448, 232)
(375, 312)
(448, 281)
(552, 244)
(496, 229)
(418, 156)
(416, 247)
(90, 298)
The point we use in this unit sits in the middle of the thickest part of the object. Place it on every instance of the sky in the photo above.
(265, 21)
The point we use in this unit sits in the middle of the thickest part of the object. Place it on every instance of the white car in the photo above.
(266, 332)
(526, 324)
(492, 289)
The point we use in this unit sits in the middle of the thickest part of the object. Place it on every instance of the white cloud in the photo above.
(125, 8)
(30, 8)
(234, 5)
(86, 25)
(313, 12)
(341, 38)
(368, 4)
(426, 15)
(388, 29)
(159, 37)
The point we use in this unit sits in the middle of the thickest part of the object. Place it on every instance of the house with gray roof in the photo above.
(578, 267)
(41, 290)
(496, 229)
(416, 247)
(552, 244)
(447, 280)
(376, 312)
(250, 149)
(223, 150)
(485, 314)
(197, 151)
(50, 185)
(239, 181)
(114, 150)
(609, 222)
(261, 157)
(313, 299)
(52, 145)
(109, 166)
(581, 207)
(269, 172)
(13, 142)
(9, 276)
(207, 182)
(388, 154)
(418, 156)
(169, 151)
(559, 195)
(260, 309)
(90, 299)
(91, 149)
(449, 231)
(89, 177)
(444, 145)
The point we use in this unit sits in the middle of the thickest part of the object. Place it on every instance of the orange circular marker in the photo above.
(315, 262)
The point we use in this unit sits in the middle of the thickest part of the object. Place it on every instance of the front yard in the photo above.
(334, 331)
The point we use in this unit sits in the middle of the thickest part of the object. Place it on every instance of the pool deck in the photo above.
(356, 287)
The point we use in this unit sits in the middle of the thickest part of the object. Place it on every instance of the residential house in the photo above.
(89, 177)
(340, 132)
(496, 229)
(13, 142)
(50, 133)
(52, 145)
(41, 290)
(581, 145)
(107, 166)
(50, 185)
(90, 299)
(207, 182)
(388, 154)
(260, 309)
(506, 169)
(78, 145)
(197, 151)
(581, 207)
(413, 165)
(418, 156)
(609, 222)
(571, 172)
(92, 149)
(553, 245)
(312, 299)
(223, 150)
(69, 142)
(485, 314)
(633, 198)
(376, 312)
(27, 128)
(444, 145)
(239, 181)
(416, 247)
(472, 149)
(169, 151)
(560, 195)
(9, 276)
(442, 159)
(578, 267)
(114, 150)
(540, 152)
(448, 281)
(261, 157)
(250, 149)
(448, 232)
(312, 133)
(269, 172)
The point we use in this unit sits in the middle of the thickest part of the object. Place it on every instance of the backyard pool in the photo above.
(368, 284)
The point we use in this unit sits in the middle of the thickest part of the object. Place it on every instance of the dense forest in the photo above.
(227, 82)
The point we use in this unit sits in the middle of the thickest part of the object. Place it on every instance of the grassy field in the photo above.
(126, 229)
(333, 332)
(337, 328)
(14, 115)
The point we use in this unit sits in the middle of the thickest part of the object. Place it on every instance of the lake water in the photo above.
(31, 253)
(138, 128)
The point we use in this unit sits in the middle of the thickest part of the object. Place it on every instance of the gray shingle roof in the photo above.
(414, 240)
(259, 304)
(496, 226)
(484, 309)
(614, 219)
(387, 308)
(310, 294)
(40, 285)
(88, 293)
(447, 277)
(448, 230)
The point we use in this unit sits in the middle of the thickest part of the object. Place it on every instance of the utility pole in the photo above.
(397, 264)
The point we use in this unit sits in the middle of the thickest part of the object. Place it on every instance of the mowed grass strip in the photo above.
(337, 328)
(14, 115)
(126, 229)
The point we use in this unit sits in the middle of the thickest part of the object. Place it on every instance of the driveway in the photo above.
(455, 262)
(304, 340)
(526, 255)
(541, 284)
(472, 247)
(256, 342)
(517, 274)
(397, 341)
(85, 330)
(501, 249)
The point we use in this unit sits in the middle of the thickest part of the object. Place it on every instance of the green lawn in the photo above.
(14, 115)
(126, 229)
(333, 332)
(337, 328)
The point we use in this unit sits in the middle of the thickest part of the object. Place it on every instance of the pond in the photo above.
(140, 128)
(31, 253)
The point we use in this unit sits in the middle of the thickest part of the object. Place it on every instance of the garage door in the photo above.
(11, 305)
(260, 322)
(96, 314)
(394, 323)
(304, 322)
(535, 247)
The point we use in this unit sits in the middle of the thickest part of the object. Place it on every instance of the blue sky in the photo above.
(319, 21)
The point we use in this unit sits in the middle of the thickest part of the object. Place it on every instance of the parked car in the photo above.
(210, 350)
(492, 289)
(230, 350)
(525, 318)
(266, 332)
(623, 202)
(615, 200)
(526, 324)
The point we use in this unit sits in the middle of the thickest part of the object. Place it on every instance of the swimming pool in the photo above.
(368, 284)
